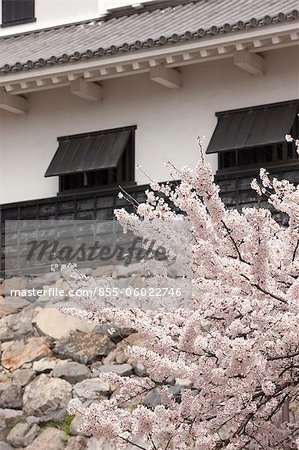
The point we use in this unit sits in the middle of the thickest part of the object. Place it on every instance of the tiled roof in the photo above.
(164, 23)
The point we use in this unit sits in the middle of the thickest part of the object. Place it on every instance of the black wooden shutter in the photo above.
(17, 11)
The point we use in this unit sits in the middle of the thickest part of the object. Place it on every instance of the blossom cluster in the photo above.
(239, 345)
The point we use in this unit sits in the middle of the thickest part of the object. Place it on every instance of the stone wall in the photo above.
(48, 358)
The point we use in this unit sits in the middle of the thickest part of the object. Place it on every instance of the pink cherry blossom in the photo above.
(238, 346)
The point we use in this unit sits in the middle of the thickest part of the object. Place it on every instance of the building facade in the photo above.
(18, 16)
(82, 103)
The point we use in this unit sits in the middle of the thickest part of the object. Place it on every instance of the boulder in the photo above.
(10, 396)
(16, 325)
(11, 305)
(183, 383)
(87, 271)
(91, 389)
(47, 301)
(152, 400)
(127, 271)
(53, 323)
(4, 377)
(12, 284)
(47, 398)
(2, 431)
(170, 380)
(116, 356)
(62, 285)
(8, 418)
(59, 294)
(44, 365)
(8, 415)
(119, 354)
(83, 347)
(49, 439)
(72, 372)
(123, 370)
(100, 444)
(75, 426)
(22, 434)
(139, 369)
(176, 391)
(20, 352)
(77, 443)
(27, 365)
(116, 334)
(43, 280)
(5, 446)
(22, 377)
(103, 271)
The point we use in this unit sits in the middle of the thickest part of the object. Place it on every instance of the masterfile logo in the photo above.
(32, 246)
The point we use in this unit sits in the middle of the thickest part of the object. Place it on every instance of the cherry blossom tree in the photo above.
(238, 346)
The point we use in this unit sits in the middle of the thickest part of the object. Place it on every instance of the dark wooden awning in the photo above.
(89, 151)
(253, 127)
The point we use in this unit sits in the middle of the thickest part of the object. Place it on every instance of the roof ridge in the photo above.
(114, 13)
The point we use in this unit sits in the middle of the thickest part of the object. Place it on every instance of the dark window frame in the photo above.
(271, 156)
(123, 174)
(280, 160)
(17, 21)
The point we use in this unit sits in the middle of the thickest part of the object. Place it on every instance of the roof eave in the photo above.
(172, 55)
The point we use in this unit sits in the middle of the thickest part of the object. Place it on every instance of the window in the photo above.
(248, 139)
(15, 12)
(264, 156)
(95, 160)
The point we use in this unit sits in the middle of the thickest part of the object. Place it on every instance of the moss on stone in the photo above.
(63, 426)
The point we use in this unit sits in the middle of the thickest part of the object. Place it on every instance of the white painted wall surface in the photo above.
(56, 12)
(109, 4)
(168, 120)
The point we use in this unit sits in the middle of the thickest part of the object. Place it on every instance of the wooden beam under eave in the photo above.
(13, 103)
(250, 62)
(169, 78)
(87, 90)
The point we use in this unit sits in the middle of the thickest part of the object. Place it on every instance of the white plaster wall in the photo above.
(108, 4)
(56, 12)
(168, 120)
